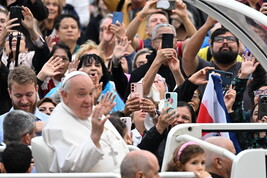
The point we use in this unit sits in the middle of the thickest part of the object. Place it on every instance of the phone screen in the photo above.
(167, 40)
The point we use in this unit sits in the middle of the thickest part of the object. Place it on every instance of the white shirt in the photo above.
(137, 137)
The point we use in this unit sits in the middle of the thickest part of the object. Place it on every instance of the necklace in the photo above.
(112, 152)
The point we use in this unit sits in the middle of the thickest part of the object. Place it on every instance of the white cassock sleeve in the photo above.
(70, 157)
(71, 141)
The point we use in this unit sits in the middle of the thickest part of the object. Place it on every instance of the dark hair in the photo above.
(220, 31)
(17, 158)
(46, 99)
(118, 124)
(189, 107)
(63, 46)
(253, 108)
(89, 58)
(63, 16)
(187, 153)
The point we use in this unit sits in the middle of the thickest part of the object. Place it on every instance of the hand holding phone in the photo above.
(225, 76)
(137, 90)
(166, 4)
(170, 100)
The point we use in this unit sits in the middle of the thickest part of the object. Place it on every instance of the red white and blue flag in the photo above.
(213, 109)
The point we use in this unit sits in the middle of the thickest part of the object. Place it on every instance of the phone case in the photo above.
(117, 16)
(137, 89)
(262, 106)
(15, 12)
(170, 100)
(128, 122)
(167, 40)
(166, 4)
(225, 76)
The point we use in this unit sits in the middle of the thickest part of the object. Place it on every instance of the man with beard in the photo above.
(23, 89)
(224, 48)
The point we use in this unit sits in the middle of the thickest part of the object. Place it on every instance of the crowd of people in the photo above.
(66, 74)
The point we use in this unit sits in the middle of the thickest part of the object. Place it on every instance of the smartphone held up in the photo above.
(170, 100)
(117, 17)
(166, 4)
(262, 106)
(167, 40)
(16, 12)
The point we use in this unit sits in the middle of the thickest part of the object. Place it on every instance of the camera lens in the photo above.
(168, 95)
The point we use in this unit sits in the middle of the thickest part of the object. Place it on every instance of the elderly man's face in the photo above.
(79, 96)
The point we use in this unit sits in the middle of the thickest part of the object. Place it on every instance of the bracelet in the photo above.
(139, 18)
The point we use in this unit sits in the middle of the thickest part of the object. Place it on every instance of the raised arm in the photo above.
(38, 9)
(30, 24)
(190, 60)
(174, 65)
(181, 11)
(135, 23)
(163, 55)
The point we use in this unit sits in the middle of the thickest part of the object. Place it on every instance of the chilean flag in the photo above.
(213, 109)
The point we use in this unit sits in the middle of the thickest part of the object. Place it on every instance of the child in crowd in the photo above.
(189, 157)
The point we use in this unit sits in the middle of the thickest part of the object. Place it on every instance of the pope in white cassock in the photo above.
(83, 140)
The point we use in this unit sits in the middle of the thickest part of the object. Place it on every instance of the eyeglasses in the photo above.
(15, 36)
(229, 39)
(159, 80)
(260, 92)
(160, 38)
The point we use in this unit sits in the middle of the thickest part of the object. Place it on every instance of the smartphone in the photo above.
(128, 122)
(225, 76)
(170, 100)
(117, 16)
(166, 4)
(16, 12)
(167, 40)
(262, 106)
(137, 89)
